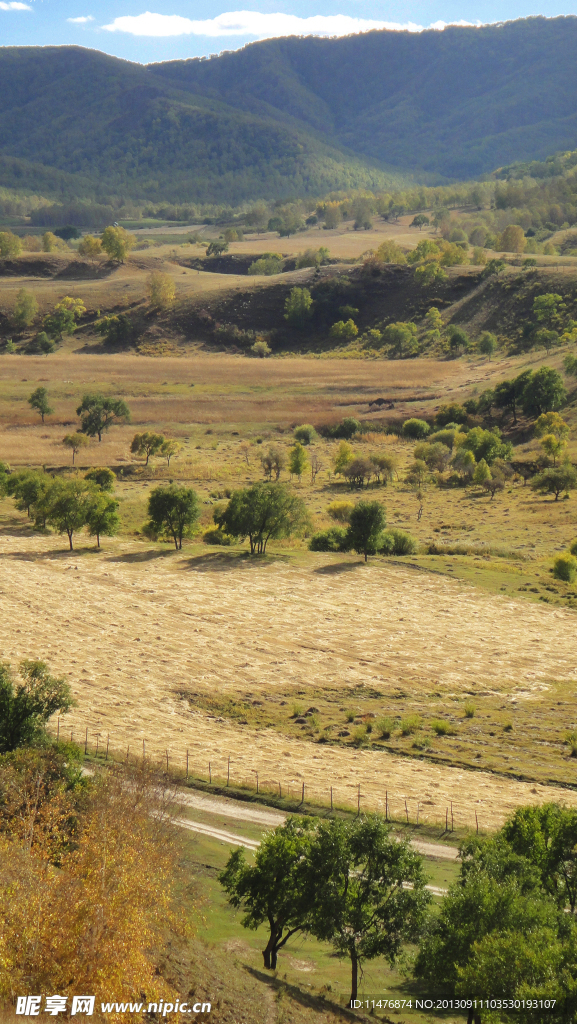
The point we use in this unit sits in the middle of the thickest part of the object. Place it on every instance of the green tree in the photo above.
(90, 246)
(344, 330)
(260, 349)
(401, 339)
(546, 308)
(98, 413)
(262, 512)
(276, 889)
(26, 487)
(556, 480)
(44, 344)
(434, 319)
(160, 290)
(420, 221)
(429, 273)
(25, 309)
(482, 474)
(68, 506)
(426, 249)
(117, 330)
(102, 476)
(39, 402)
(493, 267)
(216, 247)
(512, 239)
(487, 445)
(27, 703)
(508, 394)
(389, 252)
(298, 307)
(10, 245)
(343, 458)
(565, 568)
(553, 446)
(359, 470)
(63, 318)
(75, 442)
(547, 837)
(117, 243)
(173, 512)
(365, 524)
(487, 344)
(298, 460)
(551, 423)
(543, 392)
(147, 444)
(102, 518)
(458, 339)
(169, 449)
(361, 902)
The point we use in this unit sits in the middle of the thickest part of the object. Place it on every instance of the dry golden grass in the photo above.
(134, 627)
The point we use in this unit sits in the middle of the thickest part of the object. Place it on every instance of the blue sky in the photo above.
(152, 30)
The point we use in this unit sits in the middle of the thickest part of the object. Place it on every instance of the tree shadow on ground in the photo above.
(134, 557)
(304, 998)
(224, 561)
(337, 568)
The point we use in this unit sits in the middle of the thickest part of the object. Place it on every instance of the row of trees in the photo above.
(67, 505)
(505, 930)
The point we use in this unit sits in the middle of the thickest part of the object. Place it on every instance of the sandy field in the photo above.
(132, 627)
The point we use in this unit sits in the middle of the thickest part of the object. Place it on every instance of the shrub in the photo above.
(350, 715)
(573, 548)
(409, 725)
(571, 740)
(216, 537)
(329, 540)
(565, 568)
(340, 511)
(397, 542)
(360, 737)
(442, 728)
(469, 710)
(347, 428)
(384, 727)
(415, 429)
(305, 433)
(269, 265)
(260, 349)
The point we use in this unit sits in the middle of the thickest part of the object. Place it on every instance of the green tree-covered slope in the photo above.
(288, 117)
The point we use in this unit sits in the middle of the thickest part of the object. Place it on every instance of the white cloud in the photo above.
(13, 6)
(80, 21)
(253, 23)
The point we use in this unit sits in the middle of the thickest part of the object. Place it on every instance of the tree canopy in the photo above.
(263, 512)
(98, 413)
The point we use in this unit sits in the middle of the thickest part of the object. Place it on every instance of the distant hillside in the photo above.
(288, 117)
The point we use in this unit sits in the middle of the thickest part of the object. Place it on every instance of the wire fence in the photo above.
(224, 773)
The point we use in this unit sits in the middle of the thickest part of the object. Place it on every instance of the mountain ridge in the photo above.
(291, 117)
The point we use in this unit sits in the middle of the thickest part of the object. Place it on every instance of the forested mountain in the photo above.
(289, 117)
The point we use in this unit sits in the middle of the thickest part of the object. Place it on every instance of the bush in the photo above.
(269, 265)
(347, 428)
(469, 710)
(396, 542)
(410, 725)
(340, 511)
(415, 429)
(216, 537)
(573, 548)
(565, 568)
(442, 728)
(102, 476)
(305, 433)
(329, 540)
(384, 727)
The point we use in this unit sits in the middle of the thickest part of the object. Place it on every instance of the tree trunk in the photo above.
(97, 540)
(365, 556)
(73, 454)
(355, 978)
(69, 532)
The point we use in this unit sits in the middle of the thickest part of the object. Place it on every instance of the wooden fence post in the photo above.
(187, 763)
(386, 805)
(331, 798)
(406, 810)
(209, 773)
(303, 795)
(358, 800)
(58, 729)
(86, 741)
(143, 750)
(228, 773)
(127, 750)
(107, 743)
(452, 823)
(167, 760)
(477, 822)
(97, 739)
